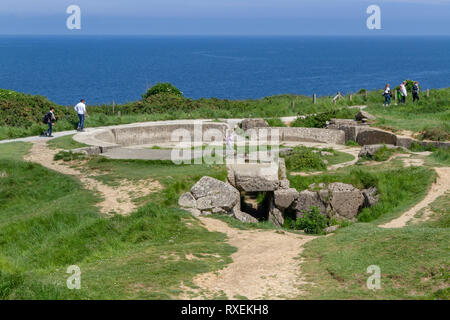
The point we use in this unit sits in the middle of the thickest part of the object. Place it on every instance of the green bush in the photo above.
(304, 158)
(313, 222)
(320, 120)
(275, 122)
(159, 88)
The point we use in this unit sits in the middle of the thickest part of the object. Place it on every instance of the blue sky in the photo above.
(226, 17)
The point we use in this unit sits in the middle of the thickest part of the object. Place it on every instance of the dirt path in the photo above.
(438, 189)
(265, 266)
(115, 199)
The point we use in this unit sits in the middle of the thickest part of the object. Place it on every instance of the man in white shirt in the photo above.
(80, 108)
(403, 91)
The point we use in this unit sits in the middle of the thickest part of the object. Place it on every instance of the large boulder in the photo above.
(364, 116)
(248, 124)
(307, 199)
(346, 200)
(211, 193)
(244, 217)
(285, 197)
(255, 177)
(187, 200)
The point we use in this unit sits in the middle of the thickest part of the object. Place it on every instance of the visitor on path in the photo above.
(415, 91)
(80, 108)
(50, 120)
(403, 91)
(387, 95)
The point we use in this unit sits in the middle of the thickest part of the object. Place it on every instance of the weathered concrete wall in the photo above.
(365, 135)
(306, 135)
(151, 133)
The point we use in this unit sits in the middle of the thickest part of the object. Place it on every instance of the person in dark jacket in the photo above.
(50, 120)
(415, 91)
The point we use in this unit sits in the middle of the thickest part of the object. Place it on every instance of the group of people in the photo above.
(50, 118)
(402, 93)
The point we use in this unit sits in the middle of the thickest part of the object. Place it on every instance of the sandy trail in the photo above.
(265, 266)
(438, 189)
(115, 199)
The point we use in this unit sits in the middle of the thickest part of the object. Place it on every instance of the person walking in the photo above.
(50, 120)
(80, 108)
(387, 95)
(403, 91)
(415, 91)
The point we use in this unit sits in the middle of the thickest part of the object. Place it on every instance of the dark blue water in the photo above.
(102, 69)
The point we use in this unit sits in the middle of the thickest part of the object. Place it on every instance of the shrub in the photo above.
(304, 158)
(159, 88)
(313, 222)
(320, 120)
(275, 122)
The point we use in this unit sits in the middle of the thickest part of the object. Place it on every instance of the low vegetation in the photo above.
(65, 143)
(314, 159)
(49, 222)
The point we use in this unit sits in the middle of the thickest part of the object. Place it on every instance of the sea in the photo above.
(103, 69)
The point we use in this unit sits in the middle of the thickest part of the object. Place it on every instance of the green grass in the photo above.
(65, 143)
(441, 156)
(431, 115)
(440, 213)
(14, 151)
(414, 263)
(49, 222)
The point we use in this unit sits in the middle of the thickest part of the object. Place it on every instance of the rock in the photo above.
(248, 124)
(331, 229)
(187, 200)
(370, 150)
(244, 217)
(370, 197)
(307, 199)
(276, 217)
(285, 184)
(219, 211)
(211, 193)
(282, 168)
(256, 177)
(285, 197)
(346, 200)
(230, 178)
(324, 195)
(364, 116)
(194, 212)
